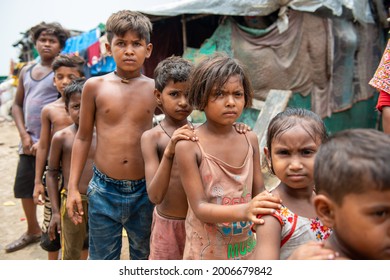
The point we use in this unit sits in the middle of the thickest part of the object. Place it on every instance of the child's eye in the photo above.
(381, 214)
(307, 152)
(282, 152)
(239, 94)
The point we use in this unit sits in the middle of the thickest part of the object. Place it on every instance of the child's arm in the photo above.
(52, 181)
(187, 154)
(157, 174)
(80, 151)
(41, 156)
(17, 113)
(268, 238)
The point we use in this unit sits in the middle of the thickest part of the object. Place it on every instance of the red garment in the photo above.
(383, 100)
(93, 53)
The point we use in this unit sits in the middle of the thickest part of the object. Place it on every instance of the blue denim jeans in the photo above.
(112, 206)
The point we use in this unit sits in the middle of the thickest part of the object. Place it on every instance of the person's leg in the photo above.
(72, 236)
(51, 246)
(23, 189)
(104, 218)
(167, 238)
(30, 210)
(138, 220)
(386, 119)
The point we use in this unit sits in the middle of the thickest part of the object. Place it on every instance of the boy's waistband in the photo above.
(127, 183)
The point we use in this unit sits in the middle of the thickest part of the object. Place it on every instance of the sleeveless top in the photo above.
(37, 93)
(297, 230)
(223, 184)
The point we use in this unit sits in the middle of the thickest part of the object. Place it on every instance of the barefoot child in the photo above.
(74, 238)
(54, 117)
(121, 106)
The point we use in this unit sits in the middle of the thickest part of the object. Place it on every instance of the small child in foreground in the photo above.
(352, 178)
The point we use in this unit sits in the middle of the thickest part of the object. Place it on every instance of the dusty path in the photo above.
(12, 219)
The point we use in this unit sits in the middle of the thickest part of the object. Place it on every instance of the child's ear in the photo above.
(266, 152)
(268, 159)
(325, 209)
(157, 94)
(108, 48)
(149, 49)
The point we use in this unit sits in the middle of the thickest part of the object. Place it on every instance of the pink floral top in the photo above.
(381, 79)
(297, 230)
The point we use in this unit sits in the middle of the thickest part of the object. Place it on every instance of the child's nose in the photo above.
(295, 164)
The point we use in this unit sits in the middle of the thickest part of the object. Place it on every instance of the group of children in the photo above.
(190, 191)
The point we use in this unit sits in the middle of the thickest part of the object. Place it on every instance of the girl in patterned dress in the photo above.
(293, 138)
(381, 81)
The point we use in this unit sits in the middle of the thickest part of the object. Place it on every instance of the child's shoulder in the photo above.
(151, 134)
(55, 106)
(66, 132)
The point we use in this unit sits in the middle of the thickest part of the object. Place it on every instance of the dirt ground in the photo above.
(12, 218)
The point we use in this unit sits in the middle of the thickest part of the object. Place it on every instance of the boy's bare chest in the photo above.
(125, 108)
(59, 119)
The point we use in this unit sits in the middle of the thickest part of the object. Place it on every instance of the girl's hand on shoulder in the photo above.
(242, 127)
(186, 132)
(264, 203)
(313, 250)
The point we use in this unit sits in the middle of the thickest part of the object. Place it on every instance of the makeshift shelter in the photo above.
(325, 52)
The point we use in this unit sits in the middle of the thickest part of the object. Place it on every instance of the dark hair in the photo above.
(75, 87)
(121, 22)
(174, 68)
(289, 118)
(353, 161)
(54, 29)
(72, 61)
(213, 72)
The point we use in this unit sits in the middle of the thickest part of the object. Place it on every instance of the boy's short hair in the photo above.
(213, 72)
(174, 68)
(351, 162)
(75, 87)
(121, 22)
(71, 61)
(53, 28)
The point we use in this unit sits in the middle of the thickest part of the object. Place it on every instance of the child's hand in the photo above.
(74, 207)
(27, 144)
(186, 132)
(55, 224)
(242, 127)
(263, 204)
(313, 250)
(39, 194)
